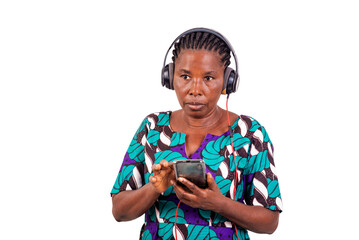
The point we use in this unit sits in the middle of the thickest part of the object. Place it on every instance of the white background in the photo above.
(78, 77)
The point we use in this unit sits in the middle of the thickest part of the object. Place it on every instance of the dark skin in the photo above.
(198, 82)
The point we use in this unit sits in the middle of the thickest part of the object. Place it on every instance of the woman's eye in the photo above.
(184, 76)
(208, 78)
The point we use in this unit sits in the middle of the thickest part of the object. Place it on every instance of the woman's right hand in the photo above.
(163, 176)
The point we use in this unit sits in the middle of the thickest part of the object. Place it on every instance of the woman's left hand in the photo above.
(208, 198)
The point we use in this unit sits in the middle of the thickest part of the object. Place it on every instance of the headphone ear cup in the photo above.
(171, 69)
(167, 76)
(229, 81)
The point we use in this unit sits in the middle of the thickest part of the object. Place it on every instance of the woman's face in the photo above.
(198, 81)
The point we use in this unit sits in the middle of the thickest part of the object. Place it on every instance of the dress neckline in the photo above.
(207, 134)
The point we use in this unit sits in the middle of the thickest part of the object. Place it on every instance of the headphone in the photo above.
(230, 79)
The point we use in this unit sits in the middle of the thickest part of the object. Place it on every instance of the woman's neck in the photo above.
(210, 121)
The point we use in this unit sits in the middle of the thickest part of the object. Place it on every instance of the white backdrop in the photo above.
(78, 77)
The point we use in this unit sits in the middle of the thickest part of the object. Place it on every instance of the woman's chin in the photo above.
(196, 112)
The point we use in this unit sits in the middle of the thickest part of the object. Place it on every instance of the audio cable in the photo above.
(176, 218)
(235, 161)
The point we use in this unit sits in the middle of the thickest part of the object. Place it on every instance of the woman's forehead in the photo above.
(194, 57)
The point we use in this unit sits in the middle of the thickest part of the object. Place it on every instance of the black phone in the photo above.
(193, 170)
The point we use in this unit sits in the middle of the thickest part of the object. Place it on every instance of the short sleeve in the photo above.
(261, 181)
(131, 174)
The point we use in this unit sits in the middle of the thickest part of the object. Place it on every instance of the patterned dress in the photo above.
(257, 183)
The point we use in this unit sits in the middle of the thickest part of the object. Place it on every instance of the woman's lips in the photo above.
(195, 106)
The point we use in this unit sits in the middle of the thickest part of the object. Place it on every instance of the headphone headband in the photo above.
(206, 30)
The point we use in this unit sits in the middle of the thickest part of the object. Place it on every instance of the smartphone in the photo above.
(193, 170)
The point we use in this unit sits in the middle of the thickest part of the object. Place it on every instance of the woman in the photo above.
(199, 130)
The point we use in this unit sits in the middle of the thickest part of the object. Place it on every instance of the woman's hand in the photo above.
(130, 204)
(163, 176)
(199, 198)
(254, 218)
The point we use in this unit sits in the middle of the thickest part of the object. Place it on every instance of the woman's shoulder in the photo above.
(247, 125)
(158, 118)
(156, 114)
(247, 120)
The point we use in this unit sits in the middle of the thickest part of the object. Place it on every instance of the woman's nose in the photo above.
(196, 87)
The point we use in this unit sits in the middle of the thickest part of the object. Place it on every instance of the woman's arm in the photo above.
(254, 218)
(128, 205)
(131, 204)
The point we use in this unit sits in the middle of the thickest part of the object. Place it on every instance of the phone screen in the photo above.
(193, 170)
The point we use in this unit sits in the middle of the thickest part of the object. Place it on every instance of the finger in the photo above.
(191, 186)
(152, 179)
(179, 191)
(211, 182)
(167, 166)
(186, 197)
(156, 167)
(164, 163)
(170, 164)
(210, 179)
(166, 169)
(155, 178)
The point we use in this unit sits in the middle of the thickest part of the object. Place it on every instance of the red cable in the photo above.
(235, 161)
(176, 218)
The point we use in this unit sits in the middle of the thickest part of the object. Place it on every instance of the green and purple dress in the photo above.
(257, 182)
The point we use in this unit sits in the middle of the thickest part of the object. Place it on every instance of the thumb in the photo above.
(210, 181)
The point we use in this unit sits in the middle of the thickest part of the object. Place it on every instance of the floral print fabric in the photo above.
(257, 183)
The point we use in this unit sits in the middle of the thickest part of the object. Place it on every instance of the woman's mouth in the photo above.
(195, 106)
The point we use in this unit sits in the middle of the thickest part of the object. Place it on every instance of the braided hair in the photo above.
(203, 40)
